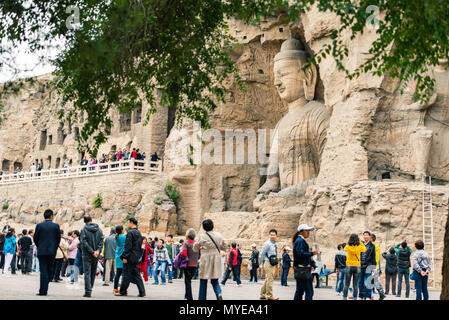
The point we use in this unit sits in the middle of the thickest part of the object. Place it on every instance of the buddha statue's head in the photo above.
(291, 82)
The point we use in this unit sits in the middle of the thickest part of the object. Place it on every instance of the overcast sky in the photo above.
(20, 63)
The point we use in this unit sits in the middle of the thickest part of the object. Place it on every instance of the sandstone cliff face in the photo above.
(390, 210)
(18, 129)
(369, 134)
(122, 194)
(31, 131)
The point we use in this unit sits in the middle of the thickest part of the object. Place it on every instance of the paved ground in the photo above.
(20, 287)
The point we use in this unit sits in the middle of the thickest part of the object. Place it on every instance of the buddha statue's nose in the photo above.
(277, 82)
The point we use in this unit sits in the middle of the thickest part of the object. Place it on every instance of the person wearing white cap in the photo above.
(254, 264)
(302, 262)
(286, 265)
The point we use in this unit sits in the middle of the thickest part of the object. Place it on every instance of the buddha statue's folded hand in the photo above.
(269, 186)
(297, 190)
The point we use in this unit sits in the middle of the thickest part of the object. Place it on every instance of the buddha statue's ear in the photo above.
(310, 76)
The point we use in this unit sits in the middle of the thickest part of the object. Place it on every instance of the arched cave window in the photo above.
(5, 165)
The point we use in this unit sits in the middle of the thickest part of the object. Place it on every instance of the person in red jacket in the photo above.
(233, 266)
(146, 250)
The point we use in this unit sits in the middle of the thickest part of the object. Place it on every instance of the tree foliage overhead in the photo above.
(124, 49)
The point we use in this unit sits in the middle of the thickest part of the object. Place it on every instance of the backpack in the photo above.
(404, 259)
(255, 260)
(180, 261)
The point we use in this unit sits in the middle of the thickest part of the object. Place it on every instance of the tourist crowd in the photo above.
(360, 262)
(126, 256)
(36, 168)
(124, 154)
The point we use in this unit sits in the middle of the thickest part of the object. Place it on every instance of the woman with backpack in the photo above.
(391, 270)
(353, 264)
(192, 262)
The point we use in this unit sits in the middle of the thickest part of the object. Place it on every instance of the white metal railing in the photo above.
(132, 165)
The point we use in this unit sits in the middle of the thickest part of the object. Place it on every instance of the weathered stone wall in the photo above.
(32, 132)
(71, 199)
(392, 211)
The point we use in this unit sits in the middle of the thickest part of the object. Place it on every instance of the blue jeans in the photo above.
(203, 288)
(421, 287)
(170, 270)
(284, 276)
(150, 270)
(340, 280)
(234, 270)
(363, 291)
(163, 265)
(36, 264)
(406, 275)
(118, 274)
(77, 266)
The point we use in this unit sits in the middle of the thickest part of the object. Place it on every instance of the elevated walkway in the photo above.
(122, 166)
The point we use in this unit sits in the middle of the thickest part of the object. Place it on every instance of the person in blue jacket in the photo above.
(302, 256)
(286, 265)
(120, 239)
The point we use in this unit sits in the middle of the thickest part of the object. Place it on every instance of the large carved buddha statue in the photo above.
(300, 136)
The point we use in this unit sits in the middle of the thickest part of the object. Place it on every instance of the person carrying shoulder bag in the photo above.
(269, 260)
(302, 263)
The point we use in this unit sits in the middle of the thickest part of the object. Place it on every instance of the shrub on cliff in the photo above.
(171, 189)
(97, 201)
(158, 200)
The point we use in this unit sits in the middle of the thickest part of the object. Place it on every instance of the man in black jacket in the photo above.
(25, 247)
(368, 268)
(403, 251)
(46, 238)
(130, 257)
(366, 259)
(91, 242)
(254, 263)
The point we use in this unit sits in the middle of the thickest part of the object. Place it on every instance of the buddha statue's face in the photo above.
(288, 79)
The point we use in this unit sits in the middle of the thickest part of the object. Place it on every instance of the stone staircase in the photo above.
(188, 203)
